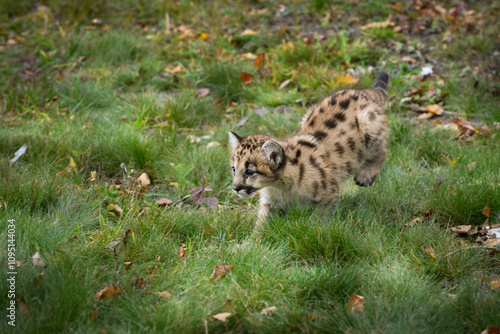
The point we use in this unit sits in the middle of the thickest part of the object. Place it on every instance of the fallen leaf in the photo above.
(492, 330)
(461, 229)
(492, 242)
(38, 261)
(212, 144)
(212, 202)
(19, 153)
(429, 251)
(108, 292)
(164, 294)
(268, 310)
(73, 165)
(222, 316)
(450, 161)
(246, 77)
(431, 92)
(377, 25)
(346, 79)
(164, 201)
(284, 84)
(259, 60)
(93, 176)
(173, 69)
(486, 211)
(200, 92)
(408, 59)
(248, 32)
(413, 222)
(248, 56)
(220, 271)
(139, 283)
(143, 180)
(425, 116)
(356, 303)
(428, 213)
(117, 209)
(183, 251)
(434, 108)
(204, 35)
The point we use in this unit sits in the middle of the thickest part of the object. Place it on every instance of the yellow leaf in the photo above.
(73, 165)
(175, 184)
(346, 79)
(435, 109)
(93, 175)
(425, 116)
(204, 35)
(248, 32)
(451, 162)
(109, 291)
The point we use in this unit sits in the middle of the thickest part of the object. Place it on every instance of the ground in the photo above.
(125, 106)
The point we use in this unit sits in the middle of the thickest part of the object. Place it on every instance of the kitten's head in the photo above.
(255, 160)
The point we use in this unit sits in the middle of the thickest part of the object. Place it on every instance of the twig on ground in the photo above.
(422, 110)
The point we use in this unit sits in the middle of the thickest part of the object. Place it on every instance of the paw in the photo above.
(364, 182)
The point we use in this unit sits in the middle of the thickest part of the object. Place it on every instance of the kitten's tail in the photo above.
(380, 85)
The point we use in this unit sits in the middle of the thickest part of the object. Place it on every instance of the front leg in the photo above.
(325, 209)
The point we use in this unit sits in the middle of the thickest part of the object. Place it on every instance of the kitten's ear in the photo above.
(234, 139)
(273, 153)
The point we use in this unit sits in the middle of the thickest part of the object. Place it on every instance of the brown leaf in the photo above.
(222, 316)
(108, 292)
(495, 284)
(38, 261)
(259, 60)
(246, 77)
(164, 201)
(164, 294)
(486, 211)
(183, 251)
(220, 271)
(413, 222)
(429, 251)
(268, 310)
(431, 92)
(492, 242)
(356, 303)
(492, 330)
(408, 59)
(461, 229)
(139, 283)
(428, 213)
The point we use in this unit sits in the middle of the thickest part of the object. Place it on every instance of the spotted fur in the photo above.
(345, 134)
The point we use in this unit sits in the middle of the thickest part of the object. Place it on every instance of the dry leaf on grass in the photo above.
(429, 251)
(38, 261)
(220, 271)
(248, 32)
(268, 310)
(164, 294)
(461, 229)
(143, 180)
(200, 92)
(486, 211)
(246, 77)
(222, 316)
(356, 303)
(108, 292)
(183, 251)
(346, 79)
(284, 84)
(164, 201)
(173, 69)
(259, 60)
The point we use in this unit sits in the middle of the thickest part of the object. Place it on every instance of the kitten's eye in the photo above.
(250, 172)
(234, 170)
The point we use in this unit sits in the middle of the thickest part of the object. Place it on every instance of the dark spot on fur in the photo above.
(340, 116)
(355, 97)
(372, 115)
(345, 104)
(306, 143)
(331, 123)
(352, 144)
(339, 149)
(301, 172)
(297, 155)
(294, 161)
(341, 133)
(247, 164)
(323, 184)
(315, 165)
(333, 101)
(360, 155)
(357, 122)
(320, 135)
(321, 110)
(312, 121)
(348, 167)
(315, 189)
(367, 139)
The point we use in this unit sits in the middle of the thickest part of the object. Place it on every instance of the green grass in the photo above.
(99, 95)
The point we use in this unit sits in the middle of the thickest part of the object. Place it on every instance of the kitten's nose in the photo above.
(237, 188)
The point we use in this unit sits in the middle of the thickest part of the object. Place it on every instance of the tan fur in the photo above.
(345, 134)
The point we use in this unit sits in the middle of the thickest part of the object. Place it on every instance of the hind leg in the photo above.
(366, 175)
